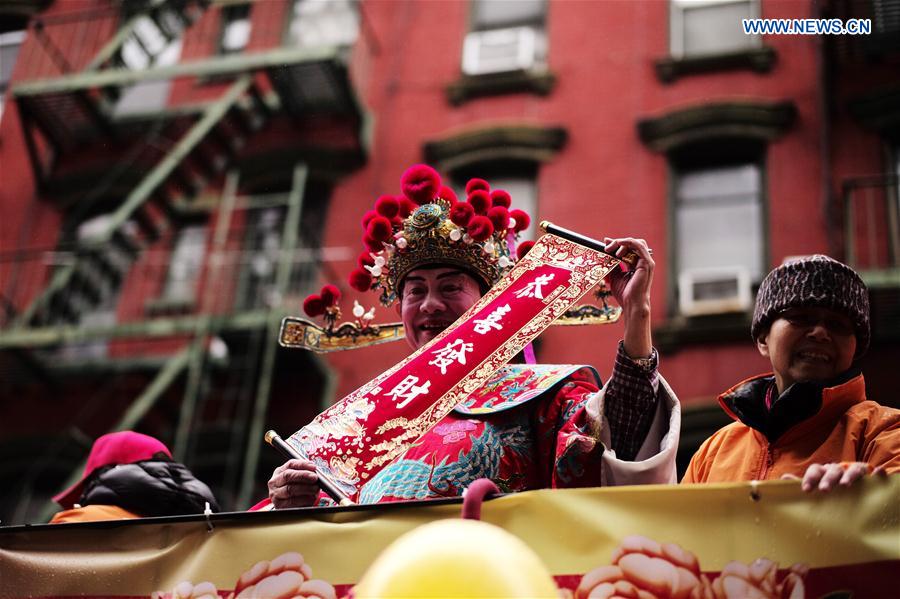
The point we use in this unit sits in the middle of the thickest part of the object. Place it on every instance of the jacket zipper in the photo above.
(767, 462)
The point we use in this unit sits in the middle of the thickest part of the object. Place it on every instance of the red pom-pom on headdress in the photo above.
(522, 219)
(524, 248)
(365, 259)
(480, 200)
(480, 228)
(448, 194)
(420, 183)
(387, 206)
(360, 280)
(314, 306)
(373, 244)
(367, 218)
(500, 197)
(407, 206)
(474, 184)
(499, 216)
(331, 295)
(461, 214)
(379, 229)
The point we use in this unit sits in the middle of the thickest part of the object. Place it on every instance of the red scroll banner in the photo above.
(358, 436)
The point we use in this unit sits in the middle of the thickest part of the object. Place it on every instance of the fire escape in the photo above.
(165, 167)
(862, 77)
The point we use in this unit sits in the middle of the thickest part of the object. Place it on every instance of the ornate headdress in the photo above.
(428, 225)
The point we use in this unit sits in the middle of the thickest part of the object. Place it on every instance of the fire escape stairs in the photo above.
(66, 118)
(162, 21)
(98, 266)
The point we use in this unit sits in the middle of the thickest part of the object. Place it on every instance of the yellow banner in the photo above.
(845, 542)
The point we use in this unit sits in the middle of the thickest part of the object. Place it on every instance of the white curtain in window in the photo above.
(317, 23)
(185, 264)
(236, 34)
(705, 27)
(9, 50)
(523, 191)
(494, 14)
(147, 96)
(718, 219)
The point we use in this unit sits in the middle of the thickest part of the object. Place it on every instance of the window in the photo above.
(893, 205)
(718, 237)
(149, 45)
(896, 175)
(710, 27)
(9, 50)
(185, 264)
(505, 36)
(317, 23)
(263, 251)
(236, 27)
(523, 191)
(520, 181)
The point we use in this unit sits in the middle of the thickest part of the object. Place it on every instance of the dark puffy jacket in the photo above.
(149, 488)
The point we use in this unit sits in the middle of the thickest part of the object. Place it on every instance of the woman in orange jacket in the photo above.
(810, 417)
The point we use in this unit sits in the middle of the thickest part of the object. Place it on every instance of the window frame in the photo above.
(148, 96)
(474, 25)
(677, 9)
(674, 174)
(227, 18)
(531, 31)
(499, 169)
(289, 41)
(167, 294)
(9, 39)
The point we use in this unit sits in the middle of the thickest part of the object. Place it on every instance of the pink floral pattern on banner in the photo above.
(455, 431)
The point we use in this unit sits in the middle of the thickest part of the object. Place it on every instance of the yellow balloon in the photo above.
(456, 558)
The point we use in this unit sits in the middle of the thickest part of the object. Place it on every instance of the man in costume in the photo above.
(529, 426)
(810, 416)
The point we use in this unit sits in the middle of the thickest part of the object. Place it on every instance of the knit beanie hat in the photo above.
(814, 281)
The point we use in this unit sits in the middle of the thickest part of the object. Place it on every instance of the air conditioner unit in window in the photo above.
(714, 290)
(499, 50)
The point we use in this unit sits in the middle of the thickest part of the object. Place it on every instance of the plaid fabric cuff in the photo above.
(630, 402)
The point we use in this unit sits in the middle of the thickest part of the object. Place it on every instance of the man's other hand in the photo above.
(294, 484)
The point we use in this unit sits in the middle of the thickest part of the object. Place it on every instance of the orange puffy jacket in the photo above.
(847, 428)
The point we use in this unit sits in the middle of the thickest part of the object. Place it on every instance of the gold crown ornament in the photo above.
(427, 225)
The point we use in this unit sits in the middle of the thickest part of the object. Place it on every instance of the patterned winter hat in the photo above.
(814, 281)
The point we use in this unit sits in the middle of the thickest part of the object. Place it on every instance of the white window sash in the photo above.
(677, 9)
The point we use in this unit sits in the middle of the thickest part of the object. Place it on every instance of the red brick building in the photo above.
(178, 174)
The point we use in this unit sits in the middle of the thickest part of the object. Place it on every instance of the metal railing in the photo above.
(74, 42)
(872, 223)
(243, 280)
(884, 38)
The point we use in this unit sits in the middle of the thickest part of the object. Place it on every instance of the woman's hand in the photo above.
(825, 477)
